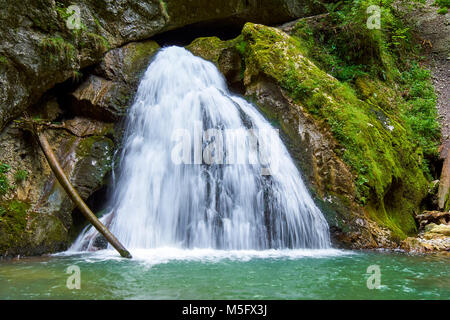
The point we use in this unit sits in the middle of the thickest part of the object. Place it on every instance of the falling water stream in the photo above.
(201, 168)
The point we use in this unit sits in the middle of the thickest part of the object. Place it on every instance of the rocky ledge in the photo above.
(434, 235)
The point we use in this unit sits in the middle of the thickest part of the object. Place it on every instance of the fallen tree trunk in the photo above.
(73, 194)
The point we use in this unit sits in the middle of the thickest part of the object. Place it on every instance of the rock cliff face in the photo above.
(38, 48)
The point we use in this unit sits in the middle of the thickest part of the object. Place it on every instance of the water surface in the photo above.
(214, 274)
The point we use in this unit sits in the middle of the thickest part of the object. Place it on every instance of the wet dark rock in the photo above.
(107, 95)
(101, 99)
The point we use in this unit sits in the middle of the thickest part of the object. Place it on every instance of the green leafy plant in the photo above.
(420, 112)
(399, 35)
(62, 10)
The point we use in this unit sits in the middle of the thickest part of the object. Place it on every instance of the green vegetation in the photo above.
(77, 76)
(388, 57)
(13, 222)
(443, 6)
(419, 112)
(374, 141)
(58, 48)
(65, 46)
(86, 146)
(62, 11)
(21, 175)
(210, 48)
(241, 46)
(382, 111)
(4, 183)
(65, 14)
(5, 186)
(99, 42)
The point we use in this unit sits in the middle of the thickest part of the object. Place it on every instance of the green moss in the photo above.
(241, 46)
(98, 149)
(136, 61)
(21, 175)
(379, 65)
(98, 24)
(64, 15)
(58, 49)
(62, 10)
(163, 8)
(3, 60)
(48, 231)
(99, 41)
(13, 222)
(5, 187)
(209, 48)
(86, 146)
(443, 6)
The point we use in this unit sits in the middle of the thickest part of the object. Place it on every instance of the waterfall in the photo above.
(202, 168)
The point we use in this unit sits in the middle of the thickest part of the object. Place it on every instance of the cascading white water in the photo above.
(167, 196)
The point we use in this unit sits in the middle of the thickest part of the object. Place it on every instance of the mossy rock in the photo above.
(13, 223)
(23, 232)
